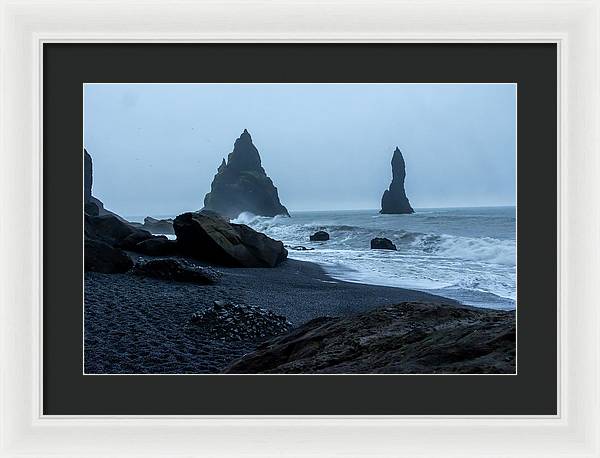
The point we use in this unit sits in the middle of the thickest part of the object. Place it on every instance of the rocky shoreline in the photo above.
(404, 338)
(224, 298)
(145, 325)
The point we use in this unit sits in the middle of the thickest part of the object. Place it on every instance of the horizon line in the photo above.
(338, 209)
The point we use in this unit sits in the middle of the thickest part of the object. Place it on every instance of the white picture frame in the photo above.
(573, 25)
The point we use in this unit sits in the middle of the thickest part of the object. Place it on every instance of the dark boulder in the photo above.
(106, 237)
(209, 238)
(407, 338)
(114, 231)
(158, 246)
(319, 236)
(242, 185)
(101, 257)
(381, 243)
(176, 270)
(394, 199)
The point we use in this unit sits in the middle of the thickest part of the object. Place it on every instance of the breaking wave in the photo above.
(470, 257)
(484, 249)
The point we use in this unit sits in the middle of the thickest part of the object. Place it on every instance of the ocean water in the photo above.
(467, 254)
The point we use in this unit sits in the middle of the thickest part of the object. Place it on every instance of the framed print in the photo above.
(298, 227)
(293, 265)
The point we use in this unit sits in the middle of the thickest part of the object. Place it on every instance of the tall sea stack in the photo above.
(242, 185)
(394, 200)
(88, 177)
(91, 205)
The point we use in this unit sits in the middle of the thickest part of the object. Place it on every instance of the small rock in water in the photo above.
(319, 236)
(226, 321)
(298, 248)
(381, 243)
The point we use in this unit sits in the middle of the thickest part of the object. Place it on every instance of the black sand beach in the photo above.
(140, 325)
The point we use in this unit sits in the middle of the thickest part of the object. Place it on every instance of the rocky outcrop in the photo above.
(114, 231)
(92, 205)
(176, 270)
(394, 199)
(407, 338)
(227, 321)
(319, 236)
(209, 238)
(106, 238)
(381, 243)
(156, 226)
(107, 235)
(104, 258)
(242, 185)
(87, 176)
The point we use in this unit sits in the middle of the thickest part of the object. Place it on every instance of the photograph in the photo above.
(299, 228)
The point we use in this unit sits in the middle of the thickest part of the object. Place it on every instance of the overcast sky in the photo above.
(156, 147)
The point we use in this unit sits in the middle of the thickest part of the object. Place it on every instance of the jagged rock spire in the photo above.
(242, 185)
(394, 199)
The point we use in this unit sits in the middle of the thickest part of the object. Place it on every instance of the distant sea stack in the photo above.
(242, 185)
(394, 200)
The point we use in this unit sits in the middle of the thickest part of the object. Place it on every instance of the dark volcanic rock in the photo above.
(209, 238)
(381, 243)
(105, 238)
(92, 205)
(158, 246)
(394, 199)
(156, 226)
(114, 231)
(319, 236)
(226, 321)
(299, 248)
(87, 176)
(242, 185)
(91, 208)
(409, 337)
(101, 257)
(176, 270)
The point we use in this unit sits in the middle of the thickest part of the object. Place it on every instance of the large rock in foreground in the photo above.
(242, 185)
(394, 199)
(209, 238)
(410, 337)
